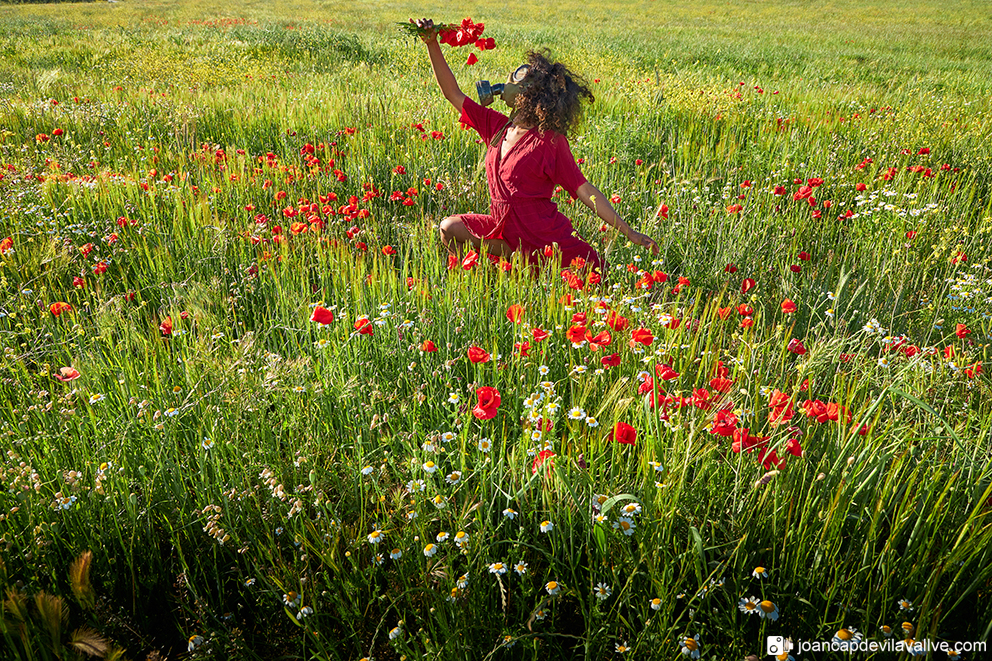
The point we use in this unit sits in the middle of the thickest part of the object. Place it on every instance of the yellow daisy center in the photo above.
(767, 606)
(690, 644)
(844, 634)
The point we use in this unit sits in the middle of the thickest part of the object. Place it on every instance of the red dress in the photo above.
(521, 186)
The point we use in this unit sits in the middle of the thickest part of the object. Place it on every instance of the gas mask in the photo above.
(507, 91)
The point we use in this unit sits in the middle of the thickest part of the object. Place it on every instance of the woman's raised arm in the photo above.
(593, 198)
(442, 72)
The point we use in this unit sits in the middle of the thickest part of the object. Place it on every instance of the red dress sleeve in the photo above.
(486, 121)
(564, 170)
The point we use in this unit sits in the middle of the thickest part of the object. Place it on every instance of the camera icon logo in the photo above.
(775, 645)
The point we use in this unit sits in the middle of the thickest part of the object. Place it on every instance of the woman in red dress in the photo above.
(528, 155)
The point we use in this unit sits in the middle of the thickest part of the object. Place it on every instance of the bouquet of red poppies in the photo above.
(465, 33)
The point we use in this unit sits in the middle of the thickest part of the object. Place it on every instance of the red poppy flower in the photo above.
(804, 256)
(364, 326)
(427, 346)
(623, 433)
(701, 399)
(478, 355)
(793, 447)
(576, 334)
(962, 331)
(515, 313)
(78, 282)
(488, 403)
(770, 459)
(544, 456)
(322, 315)
(747, 322)
(67, 374)
(788, 307)
(166, 327)
(795, 268)
(725, 423)
(780, 190)
(388, 250)
(579, 318)
(730, 268)
(647, 385)
(470, 260)
(803, 193)
(643, 336)
(574, 281)
(796, 347)
(721, 384)
(610, 361)
(617, 322)
(662, 211)
(816, 409)
(665, 372)
(522, 348)
(6, 245)
(540, 335)
(747, 285)
(745, 310)
(781, 408)
(603, 339)
(58, 308)
(724, 312)
(744, 442)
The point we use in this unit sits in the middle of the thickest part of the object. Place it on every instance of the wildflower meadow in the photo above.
(252, 409)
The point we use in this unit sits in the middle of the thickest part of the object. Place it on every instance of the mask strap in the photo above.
(495, 139)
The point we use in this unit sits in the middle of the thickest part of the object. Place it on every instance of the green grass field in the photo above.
(194, 468)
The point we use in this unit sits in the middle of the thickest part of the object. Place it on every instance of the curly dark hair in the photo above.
(551, 95)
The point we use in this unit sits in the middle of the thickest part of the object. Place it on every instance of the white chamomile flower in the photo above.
(543, 370)
(368, 470)
(497, 568)
(591, 421)
(602, 591)
(520, 568)
(510, 513)
(547, 526)
(576, 414)
(485, 445)
(453, 398)
(625, 525)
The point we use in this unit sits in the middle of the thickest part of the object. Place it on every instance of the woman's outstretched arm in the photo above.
(442, 72)
(593, 198)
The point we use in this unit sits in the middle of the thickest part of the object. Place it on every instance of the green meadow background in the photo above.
(219, 489)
